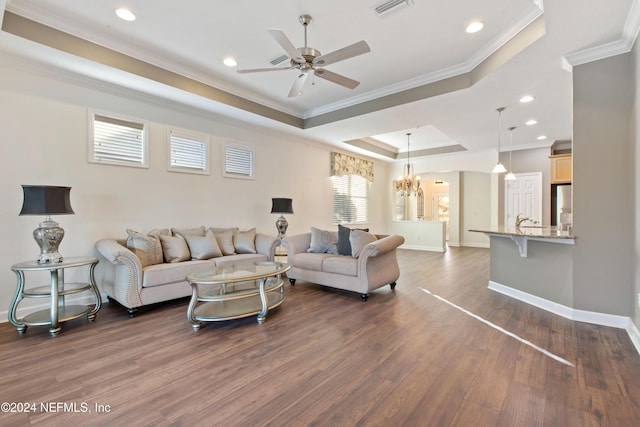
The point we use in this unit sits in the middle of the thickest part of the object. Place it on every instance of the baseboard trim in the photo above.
(422, 248)
(476, 245)
(612, 320)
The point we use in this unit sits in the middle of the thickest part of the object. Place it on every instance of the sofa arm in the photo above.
(122, 277)
(297, 244)
(266, 245)
(382, 246)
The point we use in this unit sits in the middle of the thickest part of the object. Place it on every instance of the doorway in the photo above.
(523, 196)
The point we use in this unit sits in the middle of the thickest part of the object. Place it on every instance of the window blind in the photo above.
(118, 141)
(188, 152)
(350, 199)
(238, 161)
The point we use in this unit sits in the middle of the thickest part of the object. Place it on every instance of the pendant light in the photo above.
(499, 167)
(510, 176)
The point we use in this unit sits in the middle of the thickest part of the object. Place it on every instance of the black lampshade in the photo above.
(281, 206)
(46, 200)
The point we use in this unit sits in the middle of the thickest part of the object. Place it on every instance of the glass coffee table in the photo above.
(236, 290)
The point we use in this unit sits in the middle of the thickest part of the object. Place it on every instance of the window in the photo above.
(188, 152)
(350, 199)
(238, 161)
(117, 141)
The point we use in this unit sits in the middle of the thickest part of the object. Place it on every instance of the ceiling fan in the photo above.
(306, 59)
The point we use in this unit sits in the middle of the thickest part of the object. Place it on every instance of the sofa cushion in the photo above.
(358, 240)
(239, 258)
(323, 241)
(162, 274)
(225, 241)
(175, 248)
(340, 264)
(344, 245)
(146, 247)
(244, 242)
(203, 247)
(310, 261)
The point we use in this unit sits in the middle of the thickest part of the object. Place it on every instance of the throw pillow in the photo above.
(175, 248)
(323, 241)
(203, 247)
(225, 241)
(145, 246)
(358, 240)
(245, 241)
(344, 245)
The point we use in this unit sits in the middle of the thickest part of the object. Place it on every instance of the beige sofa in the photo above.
(373, 263)
(148, 268)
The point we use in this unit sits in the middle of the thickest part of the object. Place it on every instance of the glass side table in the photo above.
(56, 291)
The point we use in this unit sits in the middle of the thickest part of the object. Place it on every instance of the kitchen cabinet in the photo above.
(561, 168)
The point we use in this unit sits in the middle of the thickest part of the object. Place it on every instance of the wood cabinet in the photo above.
(561, 168)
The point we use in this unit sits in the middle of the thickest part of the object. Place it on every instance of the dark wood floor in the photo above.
(324, 358)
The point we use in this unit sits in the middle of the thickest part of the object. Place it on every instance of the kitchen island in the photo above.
(533, 264)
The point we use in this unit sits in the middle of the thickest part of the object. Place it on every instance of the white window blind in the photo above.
(238, 161)
(188, 152)
(350, 199)
(118, 141)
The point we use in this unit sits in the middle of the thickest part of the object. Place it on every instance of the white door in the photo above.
(523, 196)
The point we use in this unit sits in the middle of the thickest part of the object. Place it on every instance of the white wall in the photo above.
(44, 123)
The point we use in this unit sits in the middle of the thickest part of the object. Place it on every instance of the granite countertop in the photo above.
(533, 231)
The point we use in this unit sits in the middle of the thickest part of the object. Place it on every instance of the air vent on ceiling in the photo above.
(279, 60)
(386, 7)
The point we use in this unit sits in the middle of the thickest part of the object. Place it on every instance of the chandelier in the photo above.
(408, 184)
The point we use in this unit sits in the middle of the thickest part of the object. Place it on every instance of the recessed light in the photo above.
(541, 138)
(531, 122)
(474, 27)
(229, 62)
(527, 98)
(125, 14)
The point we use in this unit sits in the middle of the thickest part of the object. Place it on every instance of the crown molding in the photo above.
(529, 16)
(618, 47)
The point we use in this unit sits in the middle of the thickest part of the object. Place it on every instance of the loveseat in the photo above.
(144, 269)
(365, 261)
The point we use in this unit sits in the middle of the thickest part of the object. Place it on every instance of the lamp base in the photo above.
(48, 236)
(282, 225)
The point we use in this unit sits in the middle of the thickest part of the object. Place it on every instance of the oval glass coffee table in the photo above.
(236, 290)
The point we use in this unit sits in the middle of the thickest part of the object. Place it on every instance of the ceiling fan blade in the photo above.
(341, 54)
(286, 44)
(260, 70)
(337, 78)
(296, 89)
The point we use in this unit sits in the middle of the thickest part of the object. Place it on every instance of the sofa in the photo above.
(147, 268)
(364, 262)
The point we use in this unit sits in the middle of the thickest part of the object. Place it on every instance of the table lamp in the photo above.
(47, 200)
(281, 206)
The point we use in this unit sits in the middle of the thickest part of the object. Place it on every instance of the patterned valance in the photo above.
(343, 164)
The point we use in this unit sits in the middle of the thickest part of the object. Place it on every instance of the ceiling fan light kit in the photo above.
(306, 59)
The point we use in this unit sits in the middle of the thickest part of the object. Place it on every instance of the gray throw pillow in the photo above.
(358, 240)
(344, 245)
(323, 241)
(203, 247)
(146, 247)
(245, 241)
(175, 248)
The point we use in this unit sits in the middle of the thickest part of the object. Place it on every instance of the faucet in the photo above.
(520, 220)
